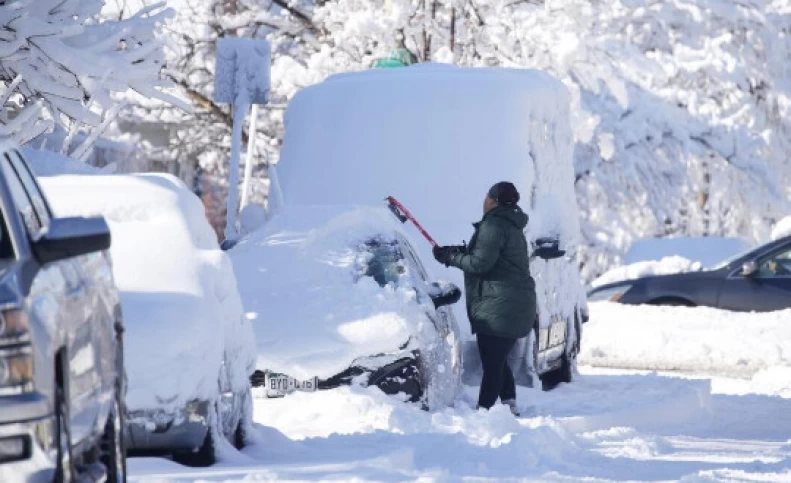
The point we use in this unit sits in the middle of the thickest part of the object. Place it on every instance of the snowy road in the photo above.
(608, 425)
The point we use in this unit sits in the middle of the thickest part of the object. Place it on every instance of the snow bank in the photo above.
(665, 266)
(686, 339)
(315, 312)
(437, 137)
(178, 292)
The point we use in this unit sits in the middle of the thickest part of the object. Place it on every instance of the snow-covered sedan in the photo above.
(189, 349)
(340, 297)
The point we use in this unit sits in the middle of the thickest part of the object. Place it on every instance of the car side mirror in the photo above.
(72, 237)
(749, 269)
(444, 293)
(547, 248)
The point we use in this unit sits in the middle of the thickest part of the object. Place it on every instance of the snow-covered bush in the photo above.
(61, 65)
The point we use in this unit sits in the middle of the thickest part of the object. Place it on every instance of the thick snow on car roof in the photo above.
(178, 292)
(432, 135)
(315, 313)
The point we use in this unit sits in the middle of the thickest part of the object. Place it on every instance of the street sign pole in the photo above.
(242, 79)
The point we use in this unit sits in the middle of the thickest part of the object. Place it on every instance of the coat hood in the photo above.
(513, 214)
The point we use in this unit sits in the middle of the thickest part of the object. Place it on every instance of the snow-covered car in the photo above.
(189, 347)
(756, 280)
(61, 343)
(340, 296)
(437, 137)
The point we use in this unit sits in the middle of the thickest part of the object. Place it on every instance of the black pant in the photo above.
(498, 380)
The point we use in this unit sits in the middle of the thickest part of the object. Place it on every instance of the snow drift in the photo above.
(686, 339)
(181, 307)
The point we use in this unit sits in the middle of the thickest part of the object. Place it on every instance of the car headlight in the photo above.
(14, 323)
(612, 294)
(16, 371)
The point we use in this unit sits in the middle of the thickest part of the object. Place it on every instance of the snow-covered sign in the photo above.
(242, 71)
(242, 77)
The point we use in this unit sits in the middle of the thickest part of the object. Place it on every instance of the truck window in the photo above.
(21, 199)
(6, 248)
(33, 191)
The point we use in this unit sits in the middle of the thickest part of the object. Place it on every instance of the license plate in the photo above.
(279, 385)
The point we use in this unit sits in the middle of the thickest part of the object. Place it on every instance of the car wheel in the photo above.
(240, 435)
(569, 363)
(203, 456)
(113, 447)
(64, 471)
(113, 450)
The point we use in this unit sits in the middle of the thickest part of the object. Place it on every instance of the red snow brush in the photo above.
(403, 215)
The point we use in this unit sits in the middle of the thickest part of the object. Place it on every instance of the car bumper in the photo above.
(168, 431)
(26, 436)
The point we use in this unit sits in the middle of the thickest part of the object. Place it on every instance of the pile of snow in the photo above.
(665, 266)
(316, 313)
(708, 250)
(686, 339)
(437, 137)
(181, 308)
(782, 229)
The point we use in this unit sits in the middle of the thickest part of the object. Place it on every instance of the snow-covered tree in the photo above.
(681, 109)
(60, 65)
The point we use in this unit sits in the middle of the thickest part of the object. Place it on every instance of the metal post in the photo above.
(248, 164)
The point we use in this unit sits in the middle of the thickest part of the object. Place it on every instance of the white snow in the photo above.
(437, 137)
(314, 311)
(782, 228)
(700, 340)
(242, 71)
(607, 426)
(665, 266)
(181, 307)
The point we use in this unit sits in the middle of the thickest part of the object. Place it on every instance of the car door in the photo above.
(64, 280)
(767, 289)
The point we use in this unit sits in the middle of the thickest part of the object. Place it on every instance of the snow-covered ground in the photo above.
(699, 340)
(609, 425)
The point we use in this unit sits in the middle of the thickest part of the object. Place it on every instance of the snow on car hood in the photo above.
(181, 309)
(314, 313)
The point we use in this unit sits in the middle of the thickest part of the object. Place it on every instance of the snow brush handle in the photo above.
(402, 209)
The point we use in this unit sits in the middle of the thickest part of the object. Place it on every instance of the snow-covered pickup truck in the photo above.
(437, 137)
(61, 363)
(189, 347)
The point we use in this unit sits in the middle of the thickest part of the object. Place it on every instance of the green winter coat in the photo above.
(501, 294)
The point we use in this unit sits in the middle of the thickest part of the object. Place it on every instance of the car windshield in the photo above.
(384, 261)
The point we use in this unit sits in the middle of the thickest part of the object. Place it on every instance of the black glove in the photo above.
(444, 255)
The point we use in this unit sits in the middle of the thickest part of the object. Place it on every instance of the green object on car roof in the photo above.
(397, 58)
